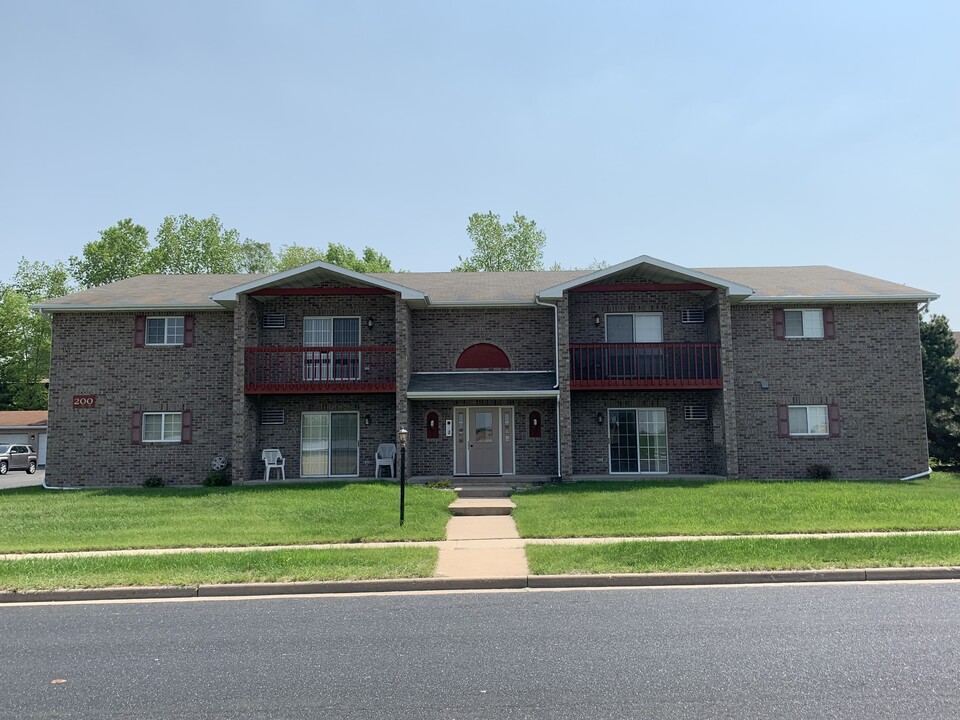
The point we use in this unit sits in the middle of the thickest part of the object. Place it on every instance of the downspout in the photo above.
(917, 476)
(556, 370)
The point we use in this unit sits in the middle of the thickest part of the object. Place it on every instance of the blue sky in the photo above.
(702, 133)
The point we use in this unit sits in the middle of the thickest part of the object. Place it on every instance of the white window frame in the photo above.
(803, 322)
(166, 330)
(809, 433)
(635, 315)
(166, 419)
(666, 442)
(330, 415)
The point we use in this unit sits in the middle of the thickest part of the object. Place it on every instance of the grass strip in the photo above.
(36, 520)
(217, 567)
(744, 553)
(737, 507)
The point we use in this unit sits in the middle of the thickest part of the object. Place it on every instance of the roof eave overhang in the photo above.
(482, 394)
(482, 303)
(22, 427)
(796, 299)
(228, 298)
(734, 290)
(126, 307)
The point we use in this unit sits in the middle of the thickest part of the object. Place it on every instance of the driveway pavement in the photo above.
(18, 478)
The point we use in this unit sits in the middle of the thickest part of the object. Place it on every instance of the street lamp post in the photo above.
(402, 436)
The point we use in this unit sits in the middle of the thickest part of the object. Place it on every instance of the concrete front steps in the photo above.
(475, 506)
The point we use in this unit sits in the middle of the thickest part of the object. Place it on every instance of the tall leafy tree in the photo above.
(121, 252)
(371, 261)
(498, 246)
(25, 340)
(186, 245)
(941, 388)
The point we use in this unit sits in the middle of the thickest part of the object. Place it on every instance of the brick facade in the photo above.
(871, 371)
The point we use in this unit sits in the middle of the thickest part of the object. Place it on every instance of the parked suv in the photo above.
(17, 457)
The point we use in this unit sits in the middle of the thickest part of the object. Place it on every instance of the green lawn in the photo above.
(737, 507)
(34, 519)
(190, 568)
(743, 553)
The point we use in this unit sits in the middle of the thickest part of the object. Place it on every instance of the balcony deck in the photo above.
(667, 366)
(287, 370)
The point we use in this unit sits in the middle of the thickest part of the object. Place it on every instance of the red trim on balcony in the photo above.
(309, 370)
(323, 291)
(669, 366)
(642, 287)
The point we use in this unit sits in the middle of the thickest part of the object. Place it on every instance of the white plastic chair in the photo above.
(272, 459)
(386, 457)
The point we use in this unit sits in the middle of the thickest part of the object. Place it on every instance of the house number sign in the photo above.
(84, 402)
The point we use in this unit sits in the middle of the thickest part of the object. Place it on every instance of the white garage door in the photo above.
(8, 438)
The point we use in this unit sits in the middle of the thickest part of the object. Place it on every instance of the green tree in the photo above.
(291, 256)
(121, 252)
(25, 340)
(497, 247)
(941, 388)
(186, 245)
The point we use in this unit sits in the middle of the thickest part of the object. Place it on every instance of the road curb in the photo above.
(495, 583)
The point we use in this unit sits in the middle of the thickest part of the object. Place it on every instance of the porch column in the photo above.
(565, 419)
(245, 453)
(729, 384)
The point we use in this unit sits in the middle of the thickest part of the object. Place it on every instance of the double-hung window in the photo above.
(803, 323)
(808, 420)
(331, 363)
(159, 427)
(164, 331)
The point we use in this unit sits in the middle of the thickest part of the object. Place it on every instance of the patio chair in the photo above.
(386, 457)
(272, 459)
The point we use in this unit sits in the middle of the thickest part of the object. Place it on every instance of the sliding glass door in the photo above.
(330, 444)
(638, 440)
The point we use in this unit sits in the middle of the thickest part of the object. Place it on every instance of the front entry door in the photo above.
(483, 442)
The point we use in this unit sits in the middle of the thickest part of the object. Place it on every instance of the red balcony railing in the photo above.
(368, 368)
(645, 365)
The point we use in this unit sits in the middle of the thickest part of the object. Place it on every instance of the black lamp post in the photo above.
(402, 436)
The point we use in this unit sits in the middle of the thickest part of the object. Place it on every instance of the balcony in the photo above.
(359, 369)
(674, 366)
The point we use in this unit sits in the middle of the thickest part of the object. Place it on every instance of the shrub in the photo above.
(440, 485)
(218, 478)
(154, 481)
(819, 471)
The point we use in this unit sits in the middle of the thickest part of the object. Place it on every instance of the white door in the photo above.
(42, 449)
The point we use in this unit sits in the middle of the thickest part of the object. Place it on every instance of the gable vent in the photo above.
(695, 412)
(691, 315)
(275, 321)
(271, 417)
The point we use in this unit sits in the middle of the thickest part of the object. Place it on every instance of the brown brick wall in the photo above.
(524, 334)
(434, 457)
(871, 370)
(693, 446)
(93, 353)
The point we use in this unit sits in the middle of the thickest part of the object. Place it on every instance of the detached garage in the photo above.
(28, 427)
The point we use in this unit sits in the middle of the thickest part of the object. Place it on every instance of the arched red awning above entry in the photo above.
(483, 356)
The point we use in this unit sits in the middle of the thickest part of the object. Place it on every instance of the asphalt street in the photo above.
(804, 651)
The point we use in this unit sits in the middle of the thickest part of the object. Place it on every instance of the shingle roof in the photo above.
(23, 418)
(491, 382)
(194, 291)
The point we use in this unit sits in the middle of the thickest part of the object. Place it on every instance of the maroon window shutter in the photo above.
(829, 325)
(136, 422)
(779, 324)
(783, 421)
(139, 330)
(188, 330)
(186, 427)
(833, 413)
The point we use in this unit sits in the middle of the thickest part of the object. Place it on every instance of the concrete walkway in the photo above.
(482, 546)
